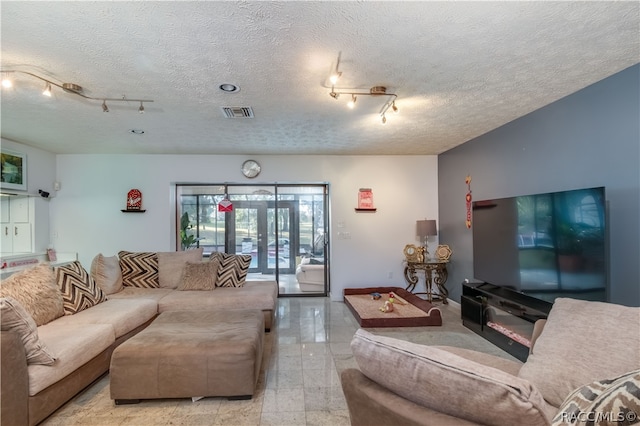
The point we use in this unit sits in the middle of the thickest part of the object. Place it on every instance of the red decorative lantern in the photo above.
(134, 200)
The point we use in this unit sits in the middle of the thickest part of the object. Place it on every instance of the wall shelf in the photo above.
(365, 210)
(132, 211)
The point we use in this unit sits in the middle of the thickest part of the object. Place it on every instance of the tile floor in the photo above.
(299, 382)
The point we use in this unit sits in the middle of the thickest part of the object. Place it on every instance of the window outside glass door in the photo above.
(282, 227)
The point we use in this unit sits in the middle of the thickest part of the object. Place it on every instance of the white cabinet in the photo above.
(17, 219)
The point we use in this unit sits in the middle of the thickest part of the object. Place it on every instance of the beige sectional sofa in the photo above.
(81, 338)
(584, 362)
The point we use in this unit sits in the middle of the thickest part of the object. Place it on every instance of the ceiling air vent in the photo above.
(237, 112)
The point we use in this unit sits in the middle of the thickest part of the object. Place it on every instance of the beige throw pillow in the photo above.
(448, 383)
(35, 289)
(13, 317)
(582, 342)
(107, 274)
(199, 276)
(171, 265)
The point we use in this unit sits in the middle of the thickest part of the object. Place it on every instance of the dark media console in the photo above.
(502, 316)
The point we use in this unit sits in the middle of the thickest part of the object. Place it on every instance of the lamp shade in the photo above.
(426, 228)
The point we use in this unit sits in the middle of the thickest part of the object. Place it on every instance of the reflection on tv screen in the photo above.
(545, 245)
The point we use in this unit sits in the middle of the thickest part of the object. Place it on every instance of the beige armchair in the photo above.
(310, 276)
(580, 356)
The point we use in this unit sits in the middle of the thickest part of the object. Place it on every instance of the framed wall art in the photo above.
(13, 166)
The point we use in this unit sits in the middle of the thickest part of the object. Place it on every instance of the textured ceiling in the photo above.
(459, 69)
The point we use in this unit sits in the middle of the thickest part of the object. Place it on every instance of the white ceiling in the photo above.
(459, 69)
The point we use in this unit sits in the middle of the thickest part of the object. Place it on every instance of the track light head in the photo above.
(141, 109)
(6, 80)
(105, 108)
(335, 77)
(383, 119)
(334, 95)
(47, 90)
(352, 103)
(394, 107)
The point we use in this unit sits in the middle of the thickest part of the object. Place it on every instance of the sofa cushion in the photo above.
(79, 290)
(14, 318)
(74, 345)
(258, 296)
(233, 269)
(171, 265)
(139, 269)
(618, 398)
(567, 353)
(199, 276)
(451, 384)
(123, 315)
(35, 289)
(107, 274)
(141, 293)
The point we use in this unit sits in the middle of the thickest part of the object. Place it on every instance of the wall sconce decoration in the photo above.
(468, 200)
(365, 200)
(424, 230)
(71, 88)
(134, 202)
(390, 98)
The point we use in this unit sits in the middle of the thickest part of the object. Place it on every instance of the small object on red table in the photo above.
(375, 296)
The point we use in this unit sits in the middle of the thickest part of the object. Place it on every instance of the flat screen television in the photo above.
(544, 245)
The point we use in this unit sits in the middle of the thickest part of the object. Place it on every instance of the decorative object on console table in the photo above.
(14, 170)
(134, 202)
(365, 200)
(443, 252)
(413, 253)
(424, 230)
(435, 272)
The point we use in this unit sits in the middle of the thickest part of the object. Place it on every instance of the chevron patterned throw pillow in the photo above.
(139, 269)
(233, 269)
(79, 290)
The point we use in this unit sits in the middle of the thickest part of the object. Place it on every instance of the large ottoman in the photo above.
(190, 354)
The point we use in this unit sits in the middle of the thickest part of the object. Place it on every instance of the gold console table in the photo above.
(435, 273)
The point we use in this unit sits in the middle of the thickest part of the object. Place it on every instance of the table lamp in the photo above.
(425, 229)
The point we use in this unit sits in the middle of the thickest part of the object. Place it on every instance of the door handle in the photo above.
(6, 230)
(15, 230)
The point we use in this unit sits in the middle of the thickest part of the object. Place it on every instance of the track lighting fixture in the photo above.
(374, 91)
(71, 88)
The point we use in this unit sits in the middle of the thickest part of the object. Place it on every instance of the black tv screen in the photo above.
(544, 245)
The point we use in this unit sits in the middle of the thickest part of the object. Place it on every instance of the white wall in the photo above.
(86, 216)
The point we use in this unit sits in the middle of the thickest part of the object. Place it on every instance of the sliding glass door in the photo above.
(283, 228)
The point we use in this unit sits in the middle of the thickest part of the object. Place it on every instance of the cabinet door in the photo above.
(7, 238)
(21, 237)
(4, 210)
(19, 210)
